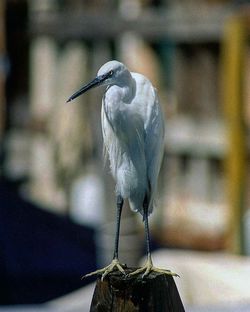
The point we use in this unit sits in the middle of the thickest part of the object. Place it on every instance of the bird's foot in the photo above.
(148, 268)
(114, 265)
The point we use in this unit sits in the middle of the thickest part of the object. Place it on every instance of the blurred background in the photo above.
(57, 199)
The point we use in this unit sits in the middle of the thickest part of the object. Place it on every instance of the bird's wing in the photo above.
(154, 142)
(107, 133)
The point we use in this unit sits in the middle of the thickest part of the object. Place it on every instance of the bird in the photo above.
(133, 130)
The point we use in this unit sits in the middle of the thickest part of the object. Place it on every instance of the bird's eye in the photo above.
(111, 73)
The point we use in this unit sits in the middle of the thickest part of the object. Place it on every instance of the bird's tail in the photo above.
(134, 206)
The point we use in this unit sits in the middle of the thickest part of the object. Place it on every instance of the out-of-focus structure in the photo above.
(183, 59)
(197, 55)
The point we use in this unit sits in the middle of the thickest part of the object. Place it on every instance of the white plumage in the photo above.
(133, 134)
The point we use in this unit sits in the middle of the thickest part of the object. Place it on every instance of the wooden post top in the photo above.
(155, 293)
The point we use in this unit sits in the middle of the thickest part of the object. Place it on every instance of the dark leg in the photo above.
(119, 204)
(115, 264)
(148, 267)
(145, 217)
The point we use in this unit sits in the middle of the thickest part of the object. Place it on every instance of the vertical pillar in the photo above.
(233, 52)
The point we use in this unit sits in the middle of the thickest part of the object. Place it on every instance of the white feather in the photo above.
(133, 133)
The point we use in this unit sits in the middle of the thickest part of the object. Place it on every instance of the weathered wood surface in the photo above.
(155, 293)
(151, 25)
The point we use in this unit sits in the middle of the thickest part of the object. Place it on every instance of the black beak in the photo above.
(94, 83)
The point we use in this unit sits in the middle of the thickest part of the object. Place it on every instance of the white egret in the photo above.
(133, 134)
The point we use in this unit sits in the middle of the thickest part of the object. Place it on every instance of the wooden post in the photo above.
(233, 53)
(155, 293)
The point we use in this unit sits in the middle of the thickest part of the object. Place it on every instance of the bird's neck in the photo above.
(128, 87)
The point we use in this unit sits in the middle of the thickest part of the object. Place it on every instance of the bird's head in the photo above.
(110, 73)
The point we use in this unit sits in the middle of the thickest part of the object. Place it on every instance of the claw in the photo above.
(148, 268)
(115, 264)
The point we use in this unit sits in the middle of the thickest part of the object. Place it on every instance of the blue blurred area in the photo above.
(42, 255)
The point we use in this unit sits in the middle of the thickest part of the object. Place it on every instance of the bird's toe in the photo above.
(113, 266)
(148, 268)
